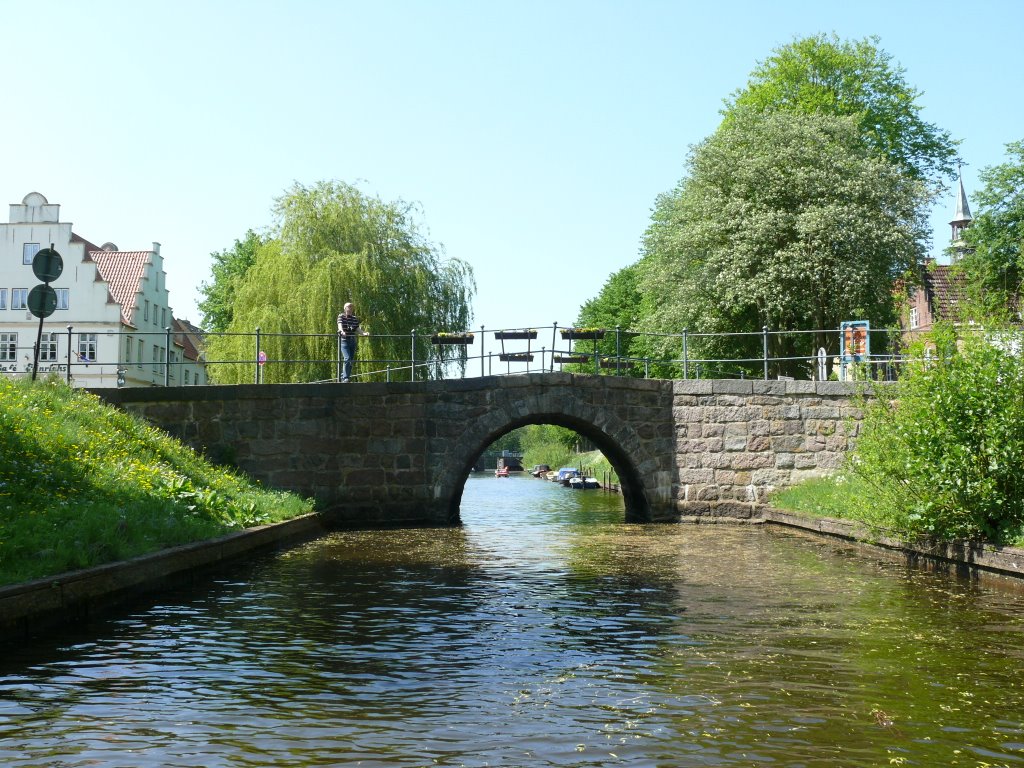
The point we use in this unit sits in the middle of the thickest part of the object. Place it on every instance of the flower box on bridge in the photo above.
(572, 358)
(518, 334)
(583, 333)
(516, 357)
(452, 338)
(606, 363)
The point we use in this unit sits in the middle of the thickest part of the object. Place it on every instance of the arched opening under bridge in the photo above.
(637, 504)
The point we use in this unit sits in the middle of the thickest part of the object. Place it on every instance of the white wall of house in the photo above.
(99, 342)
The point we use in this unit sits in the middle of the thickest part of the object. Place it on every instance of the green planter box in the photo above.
(465, 338)
(582, 333)
(512, 335)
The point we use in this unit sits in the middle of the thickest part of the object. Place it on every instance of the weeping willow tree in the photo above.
(332, 244)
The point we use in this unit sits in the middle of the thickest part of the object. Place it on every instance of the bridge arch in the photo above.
(609, 441)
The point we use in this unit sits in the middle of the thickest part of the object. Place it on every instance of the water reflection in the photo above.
(545, 631)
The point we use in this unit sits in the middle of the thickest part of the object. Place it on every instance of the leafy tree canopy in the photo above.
(229, 267)
(826, 75)
(785, 220)
(616, 307)
(997, 233)
(332, 244)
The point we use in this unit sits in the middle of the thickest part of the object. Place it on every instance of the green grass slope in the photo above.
(82, 484)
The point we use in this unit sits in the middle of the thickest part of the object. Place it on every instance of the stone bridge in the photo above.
(400, 453)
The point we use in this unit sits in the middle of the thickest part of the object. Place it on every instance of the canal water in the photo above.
(544, 632)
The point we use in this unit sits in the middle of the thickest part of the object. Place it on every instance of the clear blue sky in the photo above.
(535, 135)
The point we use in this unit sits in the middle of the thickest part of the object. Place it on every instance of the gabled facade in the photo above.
(113, 325)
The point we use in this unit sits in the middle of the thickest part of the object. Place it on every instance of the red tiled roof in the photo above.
(88, 246)
(123, 272)
(945, 290)
(187, 336)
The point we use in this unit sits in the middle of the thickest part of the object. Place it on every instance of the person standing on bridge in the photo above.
(348, 330)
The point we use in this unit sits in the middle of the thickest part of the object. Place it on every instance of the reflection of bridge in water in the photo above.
(390, 453)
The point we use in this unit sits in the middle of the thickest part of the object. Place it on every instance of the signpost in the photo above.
(855, 346)
(42, 300)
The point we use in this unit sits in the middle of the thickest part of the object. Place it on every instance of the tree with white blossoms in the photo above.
(785, 220)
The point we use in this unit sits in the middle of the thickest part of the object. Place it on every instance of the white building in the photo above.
(113, 312)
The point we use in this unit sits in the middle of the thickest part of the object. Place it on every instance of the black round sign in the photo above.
(42, 300)
(47, 264)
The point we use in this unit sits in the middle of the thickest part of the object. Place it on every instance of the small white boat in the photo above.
(584, 483)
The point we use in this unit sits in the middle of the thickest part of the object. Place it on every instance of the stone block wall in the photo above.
(738, 441)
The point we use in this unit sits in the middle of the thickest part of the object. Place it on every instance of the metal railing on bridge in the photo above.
(814, 355)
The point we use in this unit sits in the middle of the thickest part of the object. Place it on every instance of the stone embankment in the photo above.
(34, 606)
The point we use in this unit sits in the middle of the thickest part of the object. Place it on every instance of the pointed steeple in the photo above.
(961, 220)
(962, 217)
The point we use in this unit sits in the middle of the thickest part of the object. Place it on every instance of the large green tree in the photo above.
(824, 74)
(229, 268)
(996, 264)
(784, 220)
(332, 244)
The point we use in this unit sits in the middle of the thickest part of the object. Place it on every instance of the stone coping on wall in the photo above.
(35, 606)
(1004, 561)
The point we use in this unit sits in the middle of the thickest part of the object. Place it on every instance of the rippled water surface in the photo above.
(545, 631)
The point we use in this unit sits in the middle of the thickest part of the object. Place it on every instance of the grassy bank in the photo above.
(82, 484)
(846, 496)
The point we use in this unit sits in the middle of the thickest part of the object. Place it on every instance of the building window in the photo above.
(163, 317)
(915, 317)
(156, 359)
(19, 298)
(141, 348)
(128, 350)
(48, 347)
(8, 347)
(3, 298)
(28, 252)
(186, 376)
(87, 347)
(62, 297)
(145, 314)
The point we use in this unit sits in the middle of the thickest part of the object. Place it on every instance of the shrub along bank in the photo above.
(83, 484)
(941, 451)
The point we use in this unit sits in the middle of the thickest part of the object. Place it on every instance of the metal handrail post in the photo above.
(764, 344)
(256, 379)
(69, 355)
(167, 357)
(412, 363)
(618, 351)
(686, 358)
(483, 340)
(554, 334)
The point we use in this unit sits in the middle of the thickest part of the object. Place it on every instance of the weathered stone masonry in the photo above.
(399, 453)
(737, 441)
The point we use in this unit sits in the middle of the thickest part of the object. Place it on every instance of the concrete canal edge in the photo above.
(36, 606)
(962, 558)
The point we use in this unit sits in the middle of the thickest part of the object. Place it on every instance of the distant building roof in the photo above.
(189, 337)
(944, 287)
(123, 272)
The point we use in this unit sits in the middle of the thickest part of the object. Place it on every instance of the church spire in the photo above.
(961, 219)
